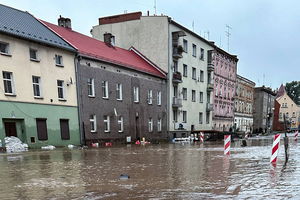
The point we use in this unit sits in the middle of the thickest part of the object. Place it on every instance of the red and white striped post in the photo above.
(202, 137)
(275, 148)
(227, 141)
(296, 135)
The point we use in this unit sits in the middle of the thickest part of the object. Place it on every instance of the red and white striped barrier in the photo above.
(296, 135)
(227, 141)
(201, 136)
(275, 148)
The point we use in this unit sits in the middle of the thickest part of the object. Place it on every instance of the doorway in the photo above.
(10, 129)
(137, 128)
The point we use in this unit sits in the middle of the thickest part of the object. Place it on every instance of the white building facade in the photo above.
(183, 54)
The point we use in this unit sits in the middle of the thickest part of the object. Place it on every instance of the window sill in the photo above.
(136, 102)
(62, 99)
(35, 60)
(5, 54)
(10, 94)
(90, 96)
(194, 56)
(59, 65)
(120, 131)
(93, 132)
(158, 104)
(106, 98)
(119, 99)
(106, 131)
(36, 97)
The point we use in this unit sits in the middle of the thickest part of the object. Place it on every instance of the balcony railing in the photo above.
(177, 78)
(177, 102)
(210, 87)
(209, 107)
(177, 52)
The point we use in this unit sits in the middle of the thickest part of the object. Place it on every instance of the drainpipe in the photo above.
(77, 59)
(168, 84)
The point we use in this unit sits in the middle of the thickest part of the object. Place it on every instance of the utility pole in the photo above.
(286, 141)
(228, 35)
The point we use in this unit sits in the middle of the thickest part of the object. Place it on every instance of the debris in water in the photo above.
(14, 144)
(48, 147)
(124, 177)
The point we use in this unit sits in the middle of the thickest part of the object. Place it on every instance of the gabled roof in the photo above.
(281, 91)
(90, 47)
(22, 24)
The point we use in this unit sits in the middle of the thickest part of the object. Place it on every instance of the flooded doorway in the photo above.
(10, 129)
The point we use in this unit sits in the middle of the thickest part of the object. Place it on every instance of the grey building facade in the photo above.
(263, 109)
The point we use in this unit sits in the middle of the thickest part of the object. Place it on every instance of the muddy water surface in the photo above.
(168, 171)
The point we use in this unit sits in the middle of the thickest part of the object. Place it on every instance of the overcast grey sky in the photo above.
(265, 33)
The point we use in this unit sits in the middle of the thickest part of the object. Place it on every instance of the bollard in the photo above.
(275, 148)
(296, 135)
(202, 137)
(227, 141)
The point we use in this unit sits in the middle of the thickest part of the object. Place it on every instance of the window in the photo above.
(113, 40)
(175, 115)
(8, 82)
(185, 70)
(120, 124)
(184, 116)
(36, 83)
(201, 54)
(159, 98)
(91, 87)
(60, 89)
(150, 125)
(159, 125)
(106, 124)
(200, 118)
(207, 117)
(201, 97)
(201, 76)
(175, 69)
(119, 91)
(105, 89)
(194, 73)
(41, 126)
(194, 50)
(185, 45)
(150, 95)
(184, 93)
(4, 48)
(33, 54)
(136, 98)
(59, 60)
(93, 123)
(193, 96)
(64, 129)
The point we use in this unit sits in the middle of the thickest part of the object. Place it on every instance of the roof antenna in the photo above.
(228, 35)
(193, 25)
(155, 7)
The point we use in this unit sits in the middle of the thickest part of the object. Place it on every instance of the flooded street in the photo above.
(167, 171)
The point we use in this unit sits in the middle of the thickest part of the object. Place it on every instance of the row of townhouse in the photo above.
(61, 87)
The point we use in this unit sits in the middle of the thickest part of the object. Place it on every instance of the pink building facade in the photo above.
(224, 89)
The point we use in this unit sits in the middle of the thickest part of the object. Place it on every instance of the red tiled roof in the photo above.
(99, 50)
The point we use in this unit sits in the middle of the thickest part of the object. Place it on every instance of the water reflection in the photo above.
(168, 171)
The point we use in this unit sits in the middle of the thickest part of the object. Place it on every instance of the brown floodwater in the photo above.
(166, 171)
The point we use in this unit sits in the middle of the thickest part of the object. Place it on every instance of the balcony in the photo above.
(177, 102)
(210, 67)
(177, 78)
(177, 52)
(210, 87)
(175, 37)
(209, 107)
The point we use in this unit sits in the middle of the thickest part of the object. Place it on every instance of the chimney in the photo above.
(107, 38)
(64, 22)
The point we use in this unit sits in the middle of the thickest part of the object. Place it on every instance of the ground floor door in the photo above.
(10, 129)
(137, 128)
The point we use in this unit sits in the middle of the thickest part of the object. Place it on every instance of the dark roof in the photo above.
(265, 89)
(93, 48)
(281, 91)
(23, 25)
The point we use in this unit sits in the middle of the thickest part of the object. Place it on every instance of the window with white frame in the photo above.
(4, 48)
(201, 97)
(61, 89)
(207, 117)
(59, 60)
(184, 93)
(200, 118)
(33, 54)
(106, 123)
(136, 97)
(201, 76)
(119, 91)
(201, 54)
(159, 125)
(194, 73)
(175, 115)
(185, 45)
(150, 125)
(185, 70)
(150, 96)
(175, 68)
(8, 82)
(105, 89)
(93, 123)
(194, 50)
(36, 83)
(91, 87)
(193, 96)
(120, 124)
(159, 98)
(184, 116)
